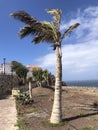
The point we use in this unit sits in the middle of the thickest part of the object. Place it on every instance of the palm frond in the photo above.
(74, 26)
(50, 27)
(46, 34)
(26, 30)
(41, 31)
(23, 17)
(45, 37)
(69, 30)
(56, 17)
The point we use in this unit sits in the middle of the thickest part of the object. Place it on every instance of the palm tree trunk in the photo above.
(56, 116)
(30, 89)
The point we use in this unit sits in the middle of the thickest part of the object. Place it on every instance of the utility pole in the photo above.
(4, 65)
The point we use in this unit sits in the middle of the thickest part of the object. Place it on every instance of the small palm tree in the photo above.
(38, 76)
(46, 77)
(42, 31)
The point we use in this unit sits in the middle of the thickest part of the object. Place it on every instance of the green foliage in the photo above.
(43, 77)
(46, 75)
(29, 79)
(20, 70)
(22, 124)
(38, 76)
(24, 98)
(46, 123)
(88, 128)
(43, 31)
(15, 65)
(95, 104)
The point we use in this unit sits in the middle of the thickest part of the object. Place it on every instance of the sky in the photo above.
(80, 58)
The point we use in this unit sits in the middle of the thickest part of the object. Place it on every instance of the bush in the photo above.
(95, 104)
(22, 124)
(24, 98)
(88, 128)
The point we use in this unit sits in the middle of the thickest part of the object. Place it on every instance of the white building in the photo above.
(6, 68)
(1, 69)
(31, 68)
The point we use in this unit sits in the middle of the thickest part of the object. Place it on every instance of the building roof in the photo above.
(33, 67)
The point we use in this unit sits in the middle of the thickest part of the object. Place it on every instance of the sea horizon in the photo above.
(82, 83)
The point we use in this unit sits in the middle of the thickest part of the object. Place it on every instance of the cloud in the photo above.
(88, 19)
(80, 58)
(47, 60)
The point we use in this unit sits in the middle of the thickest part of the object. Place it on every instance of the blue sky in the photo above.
(80, 58)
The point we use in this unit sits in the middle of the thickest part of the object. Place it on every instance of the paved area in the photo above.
(8, 114)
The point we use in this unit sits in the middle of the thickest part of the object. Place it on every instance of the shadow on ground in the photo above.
(90, 107)
(4, 97)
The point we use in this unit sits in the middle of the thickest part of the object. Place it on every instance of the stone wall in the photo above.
(7, 83)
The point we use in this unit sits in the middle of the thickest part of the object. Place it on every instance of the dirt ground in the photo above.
(79, 109)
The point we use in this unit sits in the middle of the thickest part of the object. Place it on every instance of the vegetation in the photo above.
(46, 76)
(48, 32)
(38, 76)
(7, 83)
(43, 78)
(21, 100)
(20, 70)
(22, 73)
(15, 65)
(46, 123)
(95, 104)
(24, 98)
(22, 125)
(88, 128)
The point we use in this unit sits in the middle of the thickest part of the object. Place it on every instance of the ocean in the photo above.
(83, 83)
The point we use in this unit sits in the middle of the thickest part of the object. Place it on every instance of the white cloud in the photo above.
(47, 60)
(91, 11)
(80, 59)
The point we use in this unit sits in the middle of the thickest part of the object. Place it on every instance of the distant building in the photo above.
(6, 68)
(31, 68)
(1, 69)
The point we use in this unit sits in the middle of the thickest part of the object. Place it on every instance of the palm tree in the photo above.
(38, 76)
(46, 75)
(42, 31)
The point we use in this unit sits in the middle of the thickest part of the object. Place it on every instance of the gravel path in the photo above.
(8, 114)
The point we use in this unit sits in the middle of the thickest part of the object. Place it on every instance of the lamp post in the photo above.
(4, 65)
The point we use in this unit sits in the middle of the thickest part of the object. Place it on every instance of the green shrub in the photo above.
(95, 104)
(46, 123)
(88, 128)
(22, 125)
(24, 98)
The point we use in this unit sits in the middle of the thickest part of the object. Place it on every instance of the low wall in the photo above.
(7, 83)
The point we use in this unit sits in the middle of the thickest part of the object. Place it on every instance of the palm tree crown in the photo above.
(42, 31)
